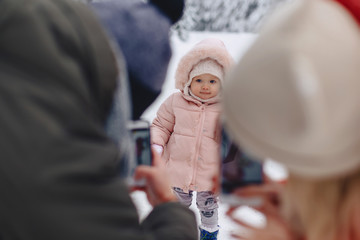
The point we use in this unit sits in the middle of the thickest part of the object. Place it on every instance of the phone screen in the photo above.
(238, 169)
(141, 138)
(141, 154)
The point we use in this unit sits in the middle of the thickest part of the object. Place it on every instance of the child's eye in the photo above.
(198, 80)
(212, 81)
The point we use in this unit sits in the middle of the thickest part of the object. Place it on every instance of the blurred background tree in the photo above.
(221, 15)
(224, 15)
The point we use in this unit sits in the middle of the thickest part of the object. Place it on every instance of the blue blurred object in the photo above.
(141, 31)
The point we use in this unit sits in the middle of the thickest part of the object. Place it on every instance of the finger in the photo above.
(237, 236)
(258, 189)
(230, 214)
(268, 209)
(231, 209)
(143, 171)
(242, 223)
(156, 158)
(267, 193)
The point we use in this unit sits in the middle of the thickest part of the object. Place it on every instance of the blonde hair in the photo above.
(323, 210)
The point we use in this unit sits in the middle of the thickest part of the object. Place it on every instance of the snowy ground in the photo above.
(226, 225)
(237, 45)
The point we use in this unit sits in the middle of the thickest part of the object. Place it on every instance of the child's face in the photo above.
(205, 86)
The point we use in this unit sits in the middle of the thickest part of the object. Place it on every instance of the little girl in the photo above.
(186, 129)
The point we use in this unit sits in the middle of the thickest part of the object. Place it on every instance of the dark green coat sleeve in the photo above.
(170, 219)
(59, 176)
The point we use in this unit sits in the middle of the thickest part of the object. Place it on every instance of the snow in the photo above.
(237, 44)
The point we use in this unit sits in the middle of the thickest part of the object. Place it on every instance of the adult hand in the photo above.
(276, 227)
(157, 187)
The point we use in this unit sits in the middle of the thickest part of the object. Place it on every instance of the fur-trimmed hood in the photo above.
(207, 48)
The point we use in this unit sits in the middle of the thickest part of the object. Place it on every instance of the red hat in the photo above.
(353, 6)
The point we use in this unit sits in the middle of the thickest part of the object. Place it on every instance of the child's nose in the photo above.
(205, 86)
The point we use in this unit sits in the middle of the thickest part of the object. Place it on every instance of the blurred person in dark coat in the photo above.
(59, 171)
(142, 32)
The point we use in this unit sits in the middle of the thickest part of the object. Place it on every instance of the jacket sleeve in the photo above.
(163, 125)
(171, 219)
(59, 172)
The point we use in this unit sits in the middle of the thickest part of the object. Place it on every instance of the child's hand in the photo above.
(157, 185)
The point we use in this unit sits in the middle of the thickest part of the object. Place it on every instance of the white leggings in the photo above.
(206, 202)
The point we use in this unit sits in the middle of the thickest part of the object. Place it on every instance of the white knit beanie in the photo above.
(209, 66)
(295, 95)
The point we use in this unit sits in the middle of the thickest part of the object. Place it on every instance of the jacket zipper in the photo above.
(198, 142)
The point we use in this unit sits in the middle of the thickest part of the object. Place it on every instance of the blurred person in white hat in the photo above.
(295, 97)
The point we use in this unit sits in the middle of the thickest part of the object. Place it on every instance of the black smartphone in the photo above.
(141, 153)
(238, 169)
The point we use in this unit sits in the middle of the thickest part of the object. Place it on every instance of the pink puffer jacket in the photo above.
(188, 129)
